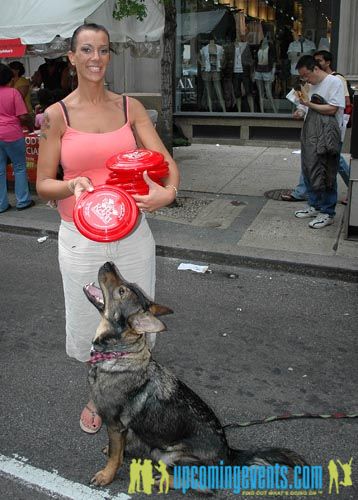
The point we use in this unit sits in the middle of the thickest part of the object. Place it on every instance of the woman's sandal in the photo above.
(96, 421)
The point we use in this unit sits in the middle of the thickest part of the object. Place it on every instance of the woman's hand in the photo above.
(157, 197)
(78, 185)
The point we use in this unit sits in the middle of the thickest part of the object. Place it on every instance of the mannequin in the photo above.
(265, 71)
(243, 63)
(301, 46)
(211, 59)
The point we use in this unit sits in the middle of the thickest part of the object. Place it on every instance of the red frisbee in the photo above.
(106, 214)
(135, 160)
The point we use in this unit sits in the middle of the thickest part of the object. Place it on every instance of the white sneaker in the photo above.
(306, 212)
(321, 221)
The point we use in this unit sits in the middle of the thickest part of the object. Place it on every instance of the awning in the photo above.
(193, 23)
(40, 21)
(12, 48)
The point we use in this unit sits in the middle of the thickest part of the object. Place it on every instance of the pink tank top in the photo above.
(85, 154)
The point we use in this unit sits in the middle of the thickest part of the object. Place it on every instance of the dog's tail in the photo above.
(266, 456)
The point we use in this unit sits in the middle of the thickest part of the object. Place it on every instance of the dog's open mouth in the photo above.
(94, 295)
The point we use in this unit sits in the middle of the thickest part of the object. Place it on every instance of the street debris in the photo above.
(232, 276)
(290, 369)
(296, 152)
(42, 239)
(192, 267)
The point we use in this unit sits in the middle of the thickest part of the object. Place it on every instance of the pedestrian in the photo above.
(21, 83)
(13, 116)
(49, 74)
(90, 125)
(323, 108)
(299, 193)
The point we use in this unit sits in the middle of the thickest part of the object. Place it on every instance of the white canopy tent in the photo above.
(40, 22)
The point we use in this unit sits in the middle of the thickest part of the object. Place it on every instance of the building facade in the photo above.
(235, 62)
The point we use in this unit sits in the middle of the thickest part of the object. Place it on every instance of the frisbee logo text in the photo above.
(105, 210)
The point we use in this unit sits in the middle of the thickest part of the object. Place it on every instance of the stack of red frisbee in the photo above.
(127, 170)
(106, 214)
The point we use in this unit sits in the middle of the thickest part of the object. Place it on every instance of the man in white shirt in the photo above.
(322, 203)
(299, 193)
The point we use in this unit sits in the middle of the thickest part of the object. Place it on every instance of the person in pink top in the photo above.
(13, 116)
(81, 132)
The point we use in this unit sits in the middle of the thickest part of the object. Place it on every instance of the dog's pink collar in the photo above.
(96, 357)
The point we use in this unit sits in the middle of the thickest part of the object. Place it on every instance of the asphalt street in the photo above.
(251, 343)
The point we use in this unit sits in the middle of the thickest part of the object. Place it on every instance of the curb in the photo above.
(322, 271)
(330, 272)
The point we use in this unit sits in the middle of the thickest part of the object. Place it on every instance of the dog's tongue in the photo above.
(95, 291)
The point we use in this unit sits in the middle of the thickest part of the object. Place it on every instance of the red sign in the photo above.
(32, 152)
(12, 47)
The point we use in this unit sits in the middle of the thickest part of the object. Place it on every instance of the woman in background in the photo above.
(21, 83)
(13, 116)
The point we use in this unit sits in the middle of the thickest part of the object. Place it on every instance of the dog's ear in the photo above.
(145, 322)
(159, 310)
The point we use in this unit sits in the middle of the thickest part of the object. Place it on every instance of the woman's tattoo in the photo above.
(45, 126)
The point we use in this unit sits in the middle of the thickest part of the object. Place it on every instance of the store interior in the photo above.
(240, 55)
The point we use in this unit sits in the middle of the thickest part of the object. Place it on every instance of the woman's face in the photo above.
(91, 56)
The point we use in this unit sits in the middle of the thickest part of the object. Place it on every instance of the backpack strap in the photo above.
(65, 113)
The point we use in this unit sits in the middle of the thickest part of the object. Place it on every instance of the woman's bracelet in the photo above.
(172, 186)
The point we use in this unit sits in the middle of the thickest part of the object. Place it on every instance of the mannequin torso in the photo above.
(298, 48)
(211, 56)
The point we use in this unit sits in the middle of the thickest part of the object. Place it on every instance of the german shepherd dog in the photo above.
(132, 392)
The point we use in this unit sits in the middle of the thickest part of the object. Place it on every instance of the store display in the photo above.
(215, 42)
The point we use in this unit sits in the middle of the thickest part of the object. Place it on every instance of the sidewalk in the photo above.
(224, 216)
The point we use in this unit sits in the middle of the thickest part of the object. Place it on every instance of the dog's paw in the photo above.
(102, 478)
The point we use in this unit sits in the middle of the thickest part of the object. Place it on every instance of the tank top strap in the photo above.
(64, 112)
(125, 108)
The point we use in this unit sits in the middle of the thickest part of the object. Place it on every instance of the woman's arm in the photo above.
(47, 186)
(158, 196)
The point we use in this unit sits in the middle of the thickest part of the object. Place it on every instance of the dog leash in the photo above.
(292, 416)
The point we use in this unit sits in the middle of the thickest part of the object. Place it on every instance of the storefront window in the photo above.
(240, 55)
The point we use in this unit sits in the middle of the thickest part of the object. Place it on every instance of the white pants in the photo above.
(80, 260)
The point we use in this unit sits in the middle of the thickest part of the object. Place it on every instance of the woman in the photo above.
(89, 126)
(13, 116)
(21, 83)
